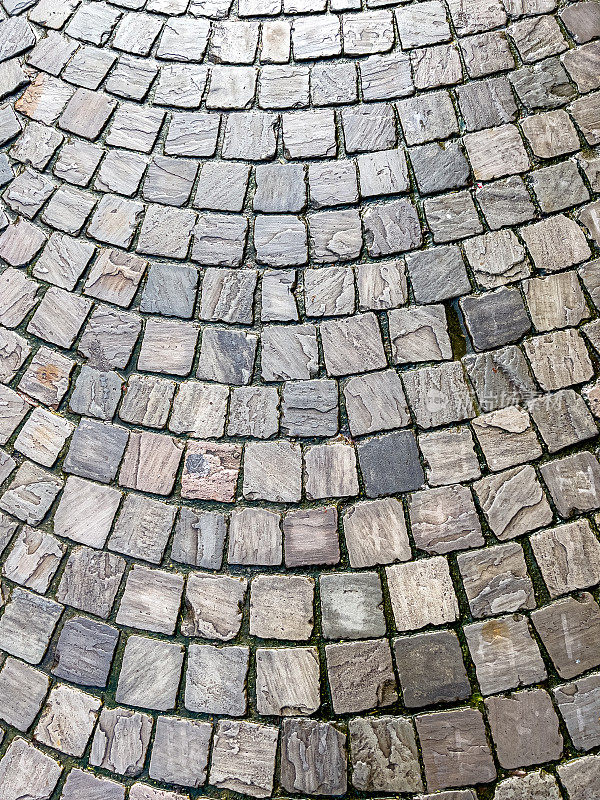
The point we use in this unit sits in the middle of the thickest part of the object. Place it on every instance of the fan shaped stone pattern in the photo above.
(299, 339)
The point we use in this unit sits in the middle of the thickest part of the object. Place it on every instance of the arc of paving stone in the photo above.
(299, 485)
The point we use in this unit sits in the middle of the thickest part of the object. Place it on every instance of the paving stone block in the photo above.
(151, 600)
(34, 559)
(24, 768)
(210, 471)
(150, 673)
(199, 538)
(449, 456)
(444, 519)
(121, 741)
(421, 593)
(23, 692)
(574, 483)
(82, 782)
(501, 378)
(227, 356)
(375, 402)
(419, 334)
(580, 777)
(310, 408)
(255, 537)
(90, 580)
(287, 681)
(244, 757)
(281, 607)
(311, 537)
(67, 720)
(213, 606)
(351, 606)
(578, 703)
(313, 757)
(36, 616)
(384, 755)
(180, 751)
(84, 652)
(375, 533)
(513, 502)
(215, 680)
(568, 557)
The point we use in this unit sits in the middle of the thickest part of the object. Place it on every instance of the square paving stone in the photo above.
(501, 378)
(525, 728)
(287, 681)
(497, 258)
(228, 295)
(328, 291)
(445, 764)
(439, 168)
(538, 785)
(273, 471)
(351, 606)
(390, 464)
(568, 557)
(180, 751)
(311, 537)
(96, 450)
(34, 559)
(142, 528)
(495, 319)
(27, 625)
(243, 758)
(431, 669)
(447, 264)
(121, 741)
(506, 437)
(281, 607)
(330, 471)
(556, 243)
(47, 377)
(581, 777)
(444, 519)
(216, 680)
(452, 216)
(81, 783)
(570, 632)
(513, 502)
(227, 356)
(496, 580)
(578, 704)
(199, 409)
(96, 393)
(23, 690)
(289, 352)
(147, 401)
(109, 338)
(255, 537)
(150, 673)
(170, 290)
(30, 495)
(574, 483)
(419, 334)
(150, 463)
(505, 654)
(253, 411)
(352, 345)
(375, 533)
(199, 538)
(391, 228)
(151, 600)
(384, 755)
(213, 606)
(438, 395)
(485, 104)
(422, 24)
(555, 301)
(115, 276)
(24, 770)
(313, 758)
(449, 456)
(86, 511)
(310, 408)
(67, 720)
(168, 346)
(84, 652)
(361, 675)
(375, 402)
(210, 471)
(421, 593)
(90, 580)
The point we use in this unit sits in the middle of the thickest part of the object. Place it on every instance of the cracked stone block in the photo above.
(330, 471)
(568, 557)
(121, 741)
(210, 471)
(84, 652)
(273, 471)
(150, 673)
(444, 519)
(37, 616)
(570, 630)
(30, 495)
(310, 408)
(255, 537)
(513, 502)
(86, 511)
(384, 755)
(505, 654)
(496, 580)
(352, 345)
(23, 692)
(227, 356)
(67, 720)
(501, 378)
(243, 757)
(313, 757)
(82, 783)
(577, 703)
(287, 681)
(180, 751)
(506, 437)
(525, 728)
(421, 593)
(151, 600)
(562, 419)
(311, 537)
(538, 785)
(289, 352)
(14, 351)
(419, 334)
(445, 764)
(90, 580)
(352, 606)
(281, 607)
(449, 456)
(213, 606)
(497, 258)
(215, 680)
(26, 770)
(199, 538)
(574, 483)
(375, 402)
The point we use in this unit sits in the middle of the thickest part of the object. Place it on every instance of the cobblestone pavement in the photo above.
(299, 340)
